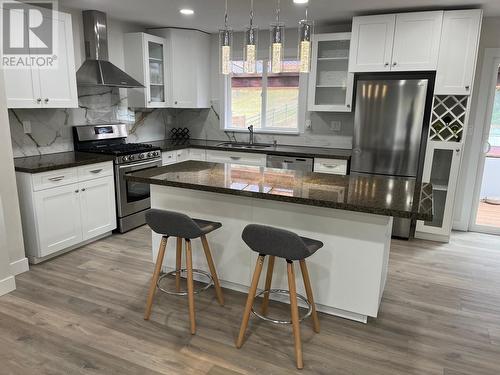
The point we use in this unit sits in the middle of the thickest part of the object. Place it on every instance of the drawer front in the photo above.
(181, 155)
(197, 154)
(52, 179)
(169, 157)
(92, 171)
(331, 166)
(236, 158)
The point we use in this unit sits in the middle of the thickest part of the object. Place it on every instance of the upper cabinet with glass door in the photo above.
(149, 68)
(330, 83)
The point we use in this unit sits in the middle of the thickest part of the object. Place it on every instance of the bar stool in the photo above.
(284, 244)
(176, 224)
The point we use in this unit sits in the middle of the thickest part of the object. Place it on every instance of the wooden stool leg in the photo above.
(190, 285)
(250, 299)
(295, 315)
(178, 264)
(211, 266)
(309, 293)
(156, 276)
(269, 279)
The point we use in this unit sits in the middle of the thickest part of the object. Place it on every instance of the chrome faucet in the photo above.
(250, 129)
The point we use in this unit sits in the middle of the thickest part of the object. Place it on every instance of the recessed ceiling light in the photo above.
(300, 1)
(187, 12)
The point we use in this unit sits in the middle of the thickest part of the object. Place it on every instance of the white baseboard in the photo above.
(7, 285)
(19, 266)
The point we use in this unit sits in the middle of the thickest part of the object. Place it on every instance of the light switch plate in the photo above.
(27, 127)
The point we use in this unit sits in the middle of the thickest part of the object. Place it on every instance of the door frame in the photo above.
(483, 118)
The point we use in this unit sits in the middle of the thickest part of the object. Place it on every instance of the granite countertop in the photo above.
(379, 195)
(50, 162)
(285, 150)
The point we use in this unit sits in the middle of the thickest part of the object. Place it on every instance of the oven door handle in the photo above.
(138, 165)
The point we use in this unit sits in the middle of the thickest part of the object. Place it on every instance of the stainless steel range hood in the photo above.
(97, 70)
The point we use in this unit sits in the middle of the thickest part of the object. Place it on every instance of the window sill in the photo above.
(259, 131)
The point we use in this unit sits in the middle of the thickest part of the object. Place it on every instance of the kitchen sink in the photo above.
(244, 145)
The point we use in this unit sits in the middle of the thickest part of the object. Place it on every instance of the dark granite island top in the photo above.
(371, 194)
(283, 150)
(61, 160)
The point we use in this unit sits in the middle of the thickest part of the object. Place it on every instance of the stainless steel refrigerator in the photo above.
(389, 125)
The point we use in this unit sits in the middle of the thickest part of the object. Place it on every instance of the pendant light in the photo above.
(305, 43)
(225, 47)
(250, 48)
(277, 43)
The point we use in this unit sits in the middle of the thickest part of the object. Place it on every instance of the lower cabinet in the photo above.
(330, 166)
(69, 212)
(231, 157)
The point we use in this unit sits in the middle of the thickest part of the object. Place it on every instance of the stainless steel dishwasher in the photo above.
(290, 162)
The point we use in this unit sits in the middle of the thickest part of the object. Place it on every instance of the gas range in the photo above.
(132, 199)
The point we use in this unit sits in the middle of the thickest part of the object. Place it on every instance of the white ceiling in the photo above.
(209, 14)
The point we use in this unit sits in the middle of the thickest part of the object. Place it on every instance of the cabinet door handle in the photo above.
(77, 191)
(348, 105)
(235, 157)
(39, 100)
(394, 63)
(457, 150)
(55, 179)
(386, 64)
(46, 100)
(84, 189)
(96, 171)
(331, 166)
(467, 87)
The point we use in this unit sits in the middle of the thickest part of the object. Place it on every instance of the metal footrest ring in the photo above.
(287, 293)
(184, 292)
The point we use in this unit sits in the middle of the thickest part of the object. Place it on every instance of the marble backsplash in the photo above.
(51, 129)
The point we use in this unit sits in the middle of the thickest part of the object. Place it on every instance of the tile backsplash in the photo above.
(50, 130)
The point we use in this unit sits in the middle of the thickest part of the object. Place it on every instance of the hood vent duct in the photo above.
(97, 70)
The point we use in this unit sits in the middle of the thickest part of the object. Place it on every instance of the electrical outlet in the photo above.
(336, 126)
(169, 119)
(308, 124)
(27, 127)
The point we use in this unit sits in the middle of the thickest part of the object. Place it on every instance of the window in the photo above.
(269, 102)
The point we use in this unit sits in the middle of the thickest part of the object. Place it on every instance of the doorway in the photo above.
(486, 215)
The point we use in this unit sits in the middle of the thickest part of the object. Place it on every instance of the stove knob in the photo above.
(125, 158)
(141, 156)
(131, 157)
(150, 154)
(157, 153)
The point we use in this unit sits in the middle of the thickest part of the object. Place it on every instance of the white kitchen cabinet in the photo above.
(182, 155)
(396, 42)
(441, 169)
(371, 43)
(458, 52)
(197, 154)
(57, 214)
(146, 59)
(188, 66)
(330, 83)
(168, 157)
(330, 166)
(47, 87)
(416, 41)
(66, 208)
(231, 157)
(97, 204)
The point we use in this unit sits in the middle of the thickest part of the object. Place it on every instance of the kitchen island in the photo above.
(352, 215)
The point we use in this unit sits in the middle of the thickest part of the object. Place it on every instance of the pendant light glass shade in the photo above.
(277, 47)
(305, 45)
(225, 50)
(250, 49)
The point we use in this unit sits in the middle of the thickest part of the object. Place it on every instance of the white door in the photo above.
(22, 86)
(458, 52)
(155, 60)
(184, 77)
(416, 41)
(58, 86)
(371, 43)
(58, 219)
(97, 207)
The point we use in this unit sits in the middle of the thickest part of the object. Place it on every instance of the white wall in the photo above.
(11, 246)
(490, 38)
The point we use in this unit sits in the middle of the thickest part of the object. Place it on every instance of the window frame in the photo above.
(301, 103)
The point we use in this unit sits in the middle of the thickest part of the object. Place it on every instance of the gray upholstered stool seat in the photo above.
(176, 224)
(279, 242)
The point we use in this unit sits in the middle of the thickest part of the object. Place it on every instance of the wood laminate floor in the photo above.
(82, 313)
(488, 214)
